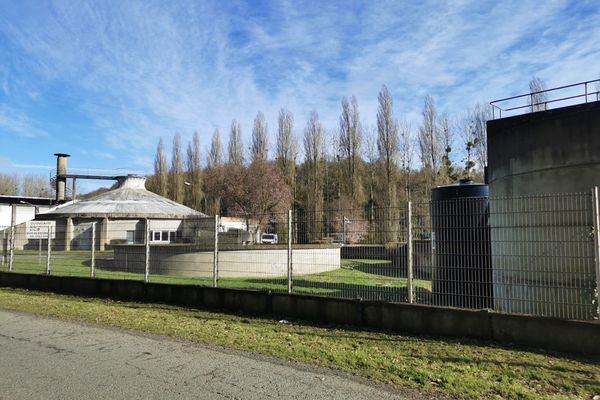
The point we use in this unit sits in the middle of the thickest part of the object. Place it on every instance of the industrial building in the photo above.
(25, 208)
(119, 217)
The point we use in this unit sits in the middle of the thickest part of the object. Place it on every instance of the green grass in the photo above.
(368, 279)
(457, 368)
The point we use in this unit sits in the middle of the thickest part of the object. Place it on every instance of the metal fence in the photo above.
(535, 255)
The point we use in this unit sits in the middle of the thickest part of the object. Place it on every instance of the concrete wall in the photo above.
(569, 336)
(397, 255)
(542, 257)
(555, 151)
(249, 262)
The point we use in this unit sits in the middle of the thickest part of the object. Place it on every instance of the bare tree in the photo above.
(350, 140)
(9, 184)
(448, 173)
(193, 190)
(235, 146)
(313, 161)
(287, 148)
(215, 155)
(160, 170)
(370, 153)
(537, 96)
(35, 185)
(313, 140)
(387, 141)
(406, 155)
(430, 144)
(478, 118)
(259, 149)
(176, 171)
(470, 142)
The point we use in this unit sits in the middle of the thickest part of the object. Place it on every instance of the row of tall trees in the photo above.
(350, 170)
(351, 166)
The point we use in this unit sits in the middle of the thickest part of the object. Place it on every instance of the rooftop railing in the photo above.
(577, 93)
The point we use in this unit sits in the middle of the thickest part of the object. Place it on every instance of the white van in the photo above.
(268, 238)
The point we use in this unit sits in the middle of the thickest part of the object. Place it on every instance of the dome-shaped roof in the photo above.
(129, 200)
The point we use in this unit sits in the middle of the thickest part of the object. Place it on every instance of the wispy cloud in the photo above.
(16, 122)
(127, 73)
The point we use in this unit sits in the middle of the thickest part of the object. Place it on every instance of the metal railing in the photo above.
(539, 101)
(535, 255)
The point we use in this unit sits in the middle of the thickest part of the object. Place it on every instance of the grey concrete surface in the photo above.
(539, 255)
(44, 358)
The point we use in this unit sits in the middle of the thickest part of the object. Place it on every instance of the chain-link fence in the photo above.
(534, 255)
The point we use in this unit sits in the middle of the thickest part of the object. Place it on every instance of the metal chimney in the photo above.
(61, 175)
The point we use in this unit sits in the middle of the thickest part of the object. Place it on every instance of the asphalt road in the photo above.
(43, 358)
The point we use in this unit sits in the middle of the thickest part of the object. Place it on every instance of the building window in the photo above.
(165, 236)
(130, 237)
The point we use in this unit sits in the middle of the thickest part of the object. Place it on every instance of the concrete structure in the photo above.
(61, 179)
(554, 151)
(119, 216)
(254, 261)
(542, 263)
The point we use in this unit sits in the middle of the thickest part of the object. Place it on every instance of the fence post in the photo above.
(93, 271)
(4, 245)
(289, 253)
(13, 221)
(216, 254)
(48, 250)
(596, 209)
(147, 251)
(344, 230)
(409, 254)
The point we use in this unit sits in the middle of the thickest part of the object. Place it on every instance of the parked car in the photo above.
(268, 238)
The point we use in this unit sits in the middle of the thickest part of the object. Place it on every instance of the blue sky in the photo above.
(103, 80)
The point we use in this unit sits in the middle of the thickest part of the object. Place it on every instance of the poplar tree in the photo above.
(235, 145)
(287, 148)
(313, 160)
(387, 142)
(176, 173)
(259, 149)
(194, 172)
(215, 155)
(430, 143)
(160, 170)
(350, 140)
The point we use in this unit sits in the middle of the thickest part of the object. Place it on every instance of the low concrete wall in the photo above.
(549, 333)
(396, 254)
(256, 261)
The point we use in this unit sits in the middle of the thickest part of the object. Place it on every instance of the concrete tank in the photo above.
(462, 272)
(542, 167)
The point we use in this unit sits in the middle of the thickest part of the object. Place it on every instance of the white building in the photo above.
(119, 217)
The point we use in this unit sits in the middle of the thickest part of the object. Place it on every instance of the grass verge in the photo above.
(458, 368)
(368, 279)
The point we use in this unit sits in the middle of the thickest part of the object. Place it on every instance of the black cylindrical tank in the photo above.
(461, 250)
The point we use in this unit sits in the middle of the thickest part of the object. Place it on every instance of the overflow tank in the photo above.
(462, 270)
